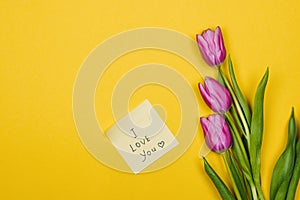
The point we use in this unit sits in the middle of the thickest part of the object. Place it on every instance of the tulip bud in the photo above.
(211, 46)
(215, 95)
(216, 132)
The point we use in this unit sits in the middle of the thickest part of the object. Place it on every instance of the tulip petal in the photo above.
(209, 35)
(216, 132)
(205, 51)
(205, 95)
(220, 50)
(221, 44)
(211, 46)
(216, 96)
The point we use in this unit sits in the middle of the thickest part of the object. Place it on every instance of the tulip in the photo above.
(211, 46)
(215, 95)
(216, 132)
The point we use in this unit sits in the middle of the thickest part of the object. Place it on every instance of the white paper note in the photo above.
(141, 137)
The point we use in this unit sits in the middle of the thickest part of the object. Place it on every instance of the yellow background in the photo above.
(43, 44)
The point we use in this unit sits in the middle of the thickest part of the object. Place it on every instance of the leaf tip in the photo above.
(267, 71)
(292, 113)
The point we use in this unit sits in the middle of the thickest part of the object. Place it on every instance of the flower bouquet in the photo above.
(235, 131)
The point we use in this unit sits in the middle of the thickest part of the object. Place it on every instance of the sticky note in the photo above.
(141, 137)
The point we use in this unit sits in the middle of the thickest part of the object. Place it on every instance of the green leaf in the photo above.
(241, 155)
(239, 94)
(249, 190)
(238, 178)
(220, 185)
(236, 103)
(232, 178)
(283, 169)
(237, 120)
(240, 128)
(257, 125)
(282, 190)
(238, 148)
(296, 175)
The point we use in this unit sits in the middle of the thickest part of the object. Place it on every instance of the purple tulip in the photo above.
(216, 133)
(211, 46)
(215, 95)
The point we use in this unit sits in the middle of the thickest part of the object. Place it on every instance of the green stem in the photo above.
(239, 139)
(236, 190)
(237, 105)
(245, 160)
(260, 192)
(237, 120)
(253, 190)
(240, 127)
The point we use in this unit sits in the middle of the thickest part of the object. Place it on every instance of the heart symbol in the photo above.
(161, 144)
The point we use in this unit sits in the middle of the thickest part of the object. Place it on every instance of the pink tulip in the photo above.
(215, 95)
(216, 132)
(211, 46)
